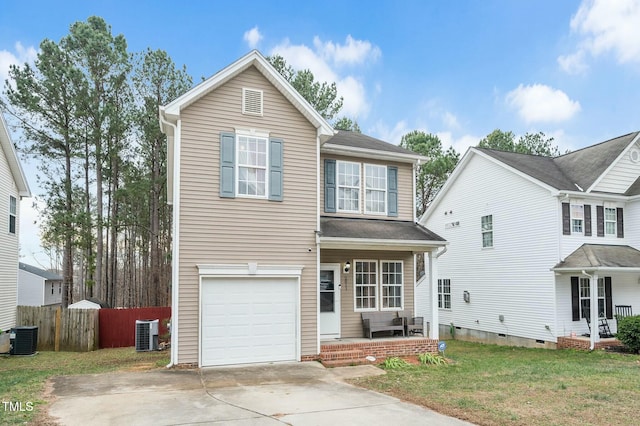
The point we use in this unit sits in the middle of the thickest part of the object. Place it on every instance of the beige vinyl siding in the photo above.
(405, 188)
(8, 247)
(216, 230)
(351, 321)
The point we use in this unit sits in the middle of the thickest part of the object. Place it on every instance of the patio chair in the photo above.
(412, 325)
(623, 311)
(603, 327)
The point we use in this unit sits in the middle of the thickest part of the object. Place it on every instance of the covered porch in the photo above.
(369, 265)
(596, 275)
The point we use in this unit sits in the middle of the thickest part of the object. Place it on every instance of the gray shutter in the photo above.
(620, 222)
(600, 221)
(566, 219)
(330, 186)
(392, 191)
(275, 169)
(227, 165)
(587, 220)
(575, 299)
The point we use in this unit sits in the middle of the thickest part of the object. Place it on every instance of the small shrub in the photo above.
(429, 358)
(394, 363)
(629, 332)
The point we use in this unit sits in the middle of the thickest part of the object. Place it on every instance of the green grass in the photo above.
(500, 385)
(23, 379)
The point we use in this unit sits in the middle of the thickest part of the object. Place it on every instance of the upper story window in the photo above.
(375, 178)
(13, 212)
(348, 187)
(487, 231)
(610, 221)
(577, 218)
(252, 166)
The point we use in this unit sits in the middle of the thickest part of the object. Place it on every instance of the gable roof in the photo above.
(40, 272)
(171, 112)
(575, 171)
(12, 158)
(346, 142)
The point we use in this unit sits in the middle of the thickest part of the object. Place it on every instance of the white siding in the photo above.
(513, 278)
(52, 292)
(30, 289)
(621, 175)
(632, 223)
(8, 248)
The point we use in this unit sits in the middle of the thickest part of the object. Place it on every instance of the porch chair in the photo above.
(603, 327)
(412, 325)
(623, 311)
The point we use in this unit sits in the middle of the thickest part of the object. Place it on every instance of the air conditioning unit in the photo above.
(24, 340)
(146, 335)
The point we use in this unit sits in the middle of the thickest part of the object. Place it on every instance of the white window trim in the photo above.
(338, 186)
(442, 294)
(588, 287)
(385, 190)
(13, 214)
(256, 135)
(392, 285)
(571, 206)
(489, 231)
(377, 286)
(614, 221)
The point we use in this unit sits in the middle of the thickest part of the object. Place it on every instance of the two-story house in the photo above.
(285, 230)
(38, 287)
(13, 186)
(535, 242)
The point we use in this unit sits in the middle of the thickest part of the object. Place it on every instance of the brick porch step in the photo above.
(338, 354)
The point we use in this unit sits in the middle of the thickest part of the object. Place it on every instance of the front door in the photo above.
(330, 300)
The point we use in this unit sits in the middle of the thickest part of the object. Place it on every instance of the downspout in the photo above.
(175, 237)
(317, 237)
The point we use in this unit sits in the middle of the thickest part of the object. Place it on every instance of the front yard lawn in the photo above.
(500, 385)
(22, 378)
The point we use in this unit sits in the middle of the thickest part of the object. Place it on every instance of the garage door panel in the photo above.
(249, 320)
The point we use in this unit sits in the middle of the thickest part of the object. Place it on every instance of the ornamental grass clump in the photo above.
(433, 359)
(394, 363)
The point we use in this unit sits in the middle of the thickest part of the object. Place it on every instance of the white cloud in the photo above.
(253, 37)
(20, 56)
(390, 134)
(450, 120)
(353, 52)
(325, 59)
(605, 26)
(460, 144)
(539, 103)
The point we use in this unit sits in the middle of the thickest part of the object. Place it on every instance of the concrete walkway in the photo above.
(273, 394)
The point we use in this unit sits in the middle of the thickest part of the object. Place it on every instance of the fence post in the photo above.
(57, 333)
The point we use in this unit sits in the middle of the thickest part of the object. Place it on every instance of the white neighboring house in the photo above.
(535, 241)
(37, 287)
(13, 186)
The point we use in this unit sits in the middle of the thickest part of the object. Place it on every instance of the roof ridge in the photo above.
(596, 144)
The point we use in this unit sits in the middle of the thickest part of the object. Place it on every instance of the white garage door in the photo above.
(248, 320)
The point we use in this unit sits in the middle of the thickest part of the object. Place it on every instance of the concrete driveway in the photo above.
(268, 394)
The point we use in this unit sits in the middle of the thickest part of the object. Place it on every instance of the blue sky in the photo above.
(570, 69)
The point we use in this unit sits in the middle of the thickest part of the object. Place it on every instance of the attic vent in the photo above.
(634, 155)
(251, 101)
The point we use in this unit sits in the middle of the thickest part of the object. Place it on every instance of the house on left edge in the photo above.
(284, 229)
(13, 187)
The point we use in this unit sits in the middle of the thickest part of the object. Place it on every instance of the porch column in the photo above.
(432, 262)
(595, 315)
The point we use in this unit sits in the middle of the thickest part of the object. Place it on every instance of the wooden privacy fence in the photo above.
(118, 326)
(60, 329)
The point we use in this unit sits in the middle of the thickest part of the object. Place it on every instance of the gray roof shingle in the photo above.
(577, 170)
(375, 229)
(40, 272)
(358, 140)
(589, 256)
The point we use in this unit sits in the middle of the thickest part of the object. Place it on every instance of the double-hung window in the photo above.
(577, 218)
(13, 212)
(585, 298)
(252, 166)
(348, 187)
(610, 221)
(366, 284)
(444, 293)
(391, 284)
(487, 231)
(375, 178)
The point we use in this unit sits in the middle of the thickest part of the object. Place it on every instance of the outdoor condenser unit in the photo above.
(146, 335)
(24, 340)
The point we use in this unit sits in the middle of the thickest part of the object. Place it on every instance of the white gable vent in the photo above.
(251, 101)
